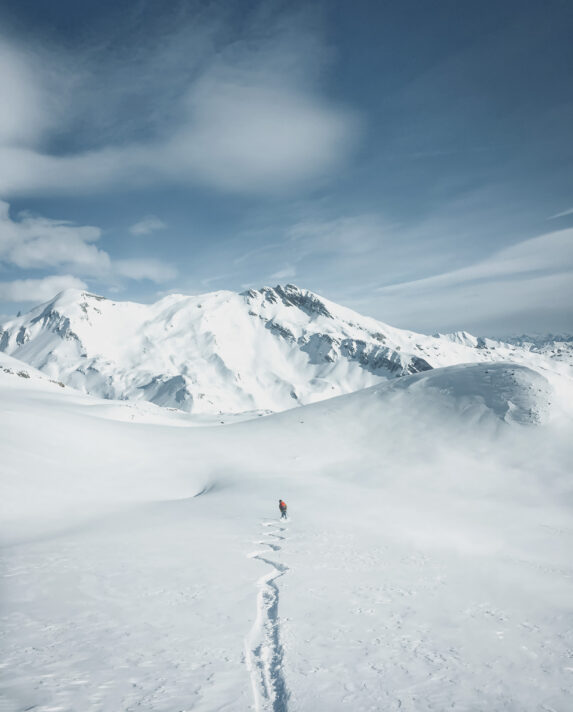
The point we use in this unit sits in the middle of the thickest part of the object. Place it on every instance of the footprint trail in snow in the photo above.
(263, 646)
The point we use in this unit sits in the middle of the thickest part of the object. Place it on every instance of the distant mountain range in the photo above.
(261, 350)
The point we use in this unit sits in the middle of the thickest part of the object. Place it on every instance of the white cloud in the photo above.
(27, 108)
(253, 133)
(38, 290)
(248, 120)
(238, 138)
(25, 171)
(147, 225)
(35, 242)
(144, 268)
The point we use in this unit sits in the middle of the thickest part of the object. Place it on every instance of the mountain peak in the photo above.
(70, 297)
(73, 294)
(290, 296)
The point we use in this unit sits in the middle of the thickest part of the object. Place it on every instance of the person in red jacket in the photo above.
(283, 508)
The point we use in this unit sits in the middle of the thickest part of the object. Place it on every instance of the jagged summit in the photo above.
(69, 297)
(263, 349)
(291, 296)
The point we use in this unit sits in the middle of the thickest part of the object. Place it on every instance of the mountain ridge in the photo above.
(265, 349)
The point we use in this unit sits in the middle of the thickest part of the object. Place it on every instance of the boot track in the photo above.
(263, 646)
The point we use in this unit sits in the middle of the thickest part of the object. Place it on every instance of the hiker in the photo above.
(283, 508)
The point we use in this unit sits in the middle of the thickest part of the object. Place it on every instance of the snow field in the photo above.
(425, 566)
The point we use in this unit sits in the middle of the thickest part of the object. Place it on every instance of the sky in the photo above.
(411, 160)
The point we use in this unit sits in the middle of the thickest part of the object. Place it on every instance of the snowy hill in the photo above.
(13, 367)
(426, 564)
(262, 350)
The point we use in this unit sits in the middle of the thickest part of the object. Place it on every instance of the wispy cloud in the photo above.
(147, 225)
(249, 131)
(145, 268)
(347, 235)
(561, 215)
(29, 107)
(250, 119)
(532, 279)
(500, 306)
(403, 275)
(288, 272)
(552, 252)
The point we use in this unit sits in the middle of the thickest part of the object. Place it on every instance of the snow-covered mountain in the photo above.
(223, 352)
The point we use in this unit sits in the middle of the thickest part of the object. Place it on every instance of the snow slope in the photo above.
(259, 351)
(23, 376)
(426, 564)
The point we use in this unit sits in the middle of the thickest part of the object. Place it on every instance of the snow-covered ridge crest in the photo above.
(265, 349)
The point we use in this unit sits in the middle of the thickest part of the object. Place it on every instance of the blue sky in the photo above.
(410, 160)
